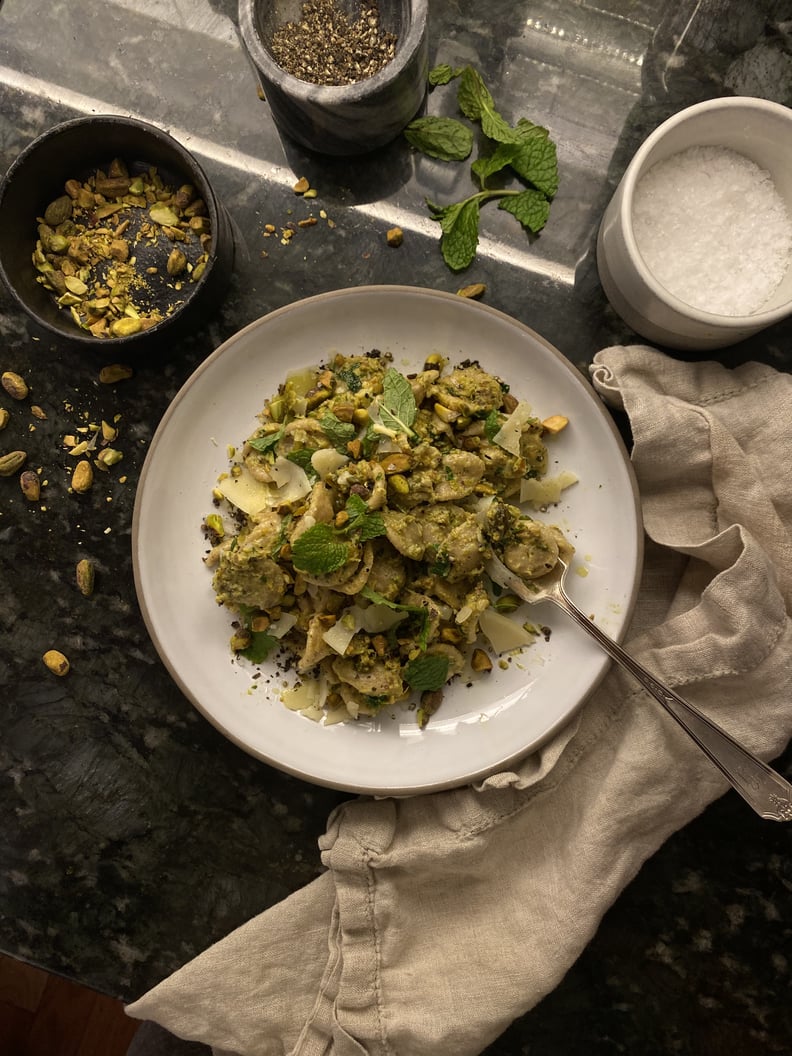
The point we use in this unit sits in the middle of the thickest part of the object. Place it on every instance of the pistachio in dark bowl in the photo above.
(110, 234)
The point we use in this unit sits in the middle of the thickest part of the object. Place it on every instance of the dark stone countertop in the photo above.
(134, 834)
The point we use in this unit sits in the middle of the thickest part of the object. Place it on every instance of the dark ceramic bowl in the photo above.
(344, 119)
(75, 150)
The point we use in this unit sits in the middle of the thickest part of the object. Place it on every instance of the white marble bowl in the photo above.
(755, 128)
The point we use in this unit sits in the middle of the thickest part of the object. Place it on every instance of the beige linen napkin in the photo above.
(441, 918)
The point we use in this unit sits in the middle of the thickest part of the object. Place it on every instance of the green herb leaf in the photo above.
(266, 443)
(319, 550)
(261, 645)
(530, 207)
(535, 159)
(500, 159)
(426, 673)
(440, 137)
(301, 457)
(397, 404)
(349, 378)
(444, 73)
(476, 103)
(459, 223)
(337, 432)
(368, 523)
(438, 560)
(492, 424)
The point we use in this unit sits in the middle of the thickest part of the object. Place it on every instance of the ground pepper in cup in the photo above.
(118, 250)
(325, 46)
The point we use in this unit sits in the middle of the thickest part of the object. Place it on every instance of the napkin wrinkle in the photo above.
(442, 917)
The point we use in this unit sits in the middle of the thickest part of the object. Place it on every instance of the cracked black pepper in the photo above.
(325, 46)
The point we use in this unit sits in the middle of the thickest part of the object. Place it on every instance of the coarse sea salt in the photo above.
(713, 229)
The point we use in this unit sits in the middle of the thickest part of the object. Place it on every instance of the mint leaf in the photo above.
(444, 73)
(260, 647)
(530, 207)
(397, 404)
(476, 103)
(301, 457)
(367, 522)
(535, 160)
(426, 673)
(500, 159)
(337, 432)
(440, 137)
(459, 223)
(492, 424)
(319, 551)
(266, 443)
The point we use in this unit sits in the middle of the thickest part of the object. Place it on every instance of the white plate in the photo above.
(479, 729)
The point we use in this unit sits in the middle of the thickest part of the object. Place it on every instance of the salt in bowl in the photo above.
(647, 264)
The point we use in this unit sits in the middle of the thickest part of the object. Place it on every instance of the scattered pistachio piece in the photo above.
(394, 236)
(85, 575)
(177, 262)
(475, 290)
(110, 456)
(56, 662)
(555, 424)
(108, 431)
(14, 385)
(30, 485)
(82, 477)
(163, 215)
(38, 412)
(5, 417)
(301, 186)
(114, 372)
(11, 462)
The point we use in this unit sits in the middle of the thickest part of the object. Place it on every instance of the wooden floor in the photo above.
(44, 1015)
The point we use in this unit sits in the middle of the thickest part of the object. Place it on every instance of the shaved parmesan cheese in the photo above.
(301, 695)
(290, 479)
(503, 634)
(283, 625)
(289, 483)
(245, 492)
(341, 634)
(327, 460)
(376, 618)
(508, 436)
(545, 492)
(334, 715)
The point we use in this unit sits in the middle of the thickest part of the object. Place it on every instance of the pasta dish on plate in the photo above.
(352, 528)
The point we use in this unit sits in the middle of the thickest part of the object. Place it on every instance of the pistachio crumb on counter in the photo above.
(56, 662)
(473, 291)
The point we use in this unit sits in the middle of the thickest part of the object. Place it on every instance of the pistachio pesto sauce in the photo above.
(353, 526)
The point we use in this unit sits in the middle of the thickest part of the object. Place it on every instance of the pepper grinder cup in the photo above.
(346, 119)
(760, 131)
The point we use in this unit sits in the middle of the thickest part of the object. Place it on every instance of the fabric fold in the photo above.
(441, 918)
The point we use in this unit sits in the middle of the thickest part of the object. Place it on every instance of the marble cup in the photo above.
(349, 119)
(755, 128)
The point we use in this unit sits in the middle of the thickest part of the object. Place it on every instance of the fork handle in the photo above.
(763, 788)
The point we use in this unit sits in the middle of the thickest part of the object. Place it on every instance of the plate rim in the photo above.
(391, 790)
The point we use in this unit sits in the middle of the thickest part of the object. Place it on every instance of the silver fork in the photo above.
(766, 791)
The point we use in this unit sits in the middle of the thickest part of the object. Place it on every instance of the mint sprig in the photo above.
(367, 523)
(320, 550)
(524, 151)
